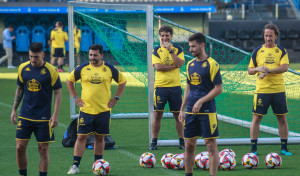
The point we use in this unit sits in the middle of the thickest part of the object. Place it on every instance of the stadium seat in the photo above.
(98, 39)
(292, 34)
(282, 34)
(230, 34)
(86, 38)
(296, 45)
(256, 34)
(12, 21)
(39, 35)
(116, 39)
(22, 39)
(44, 22)
(243, 34)
(28, 22)
(248, 45)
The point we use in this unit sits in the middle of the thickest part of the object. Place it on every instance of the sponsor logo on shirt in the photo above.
(33, 85)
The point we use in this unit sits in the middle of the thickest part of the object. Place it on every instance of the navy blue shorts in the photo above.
(262, 102)
(201, 125)
(162, 95)
(93, 124)
(43, 133)
(58, 52)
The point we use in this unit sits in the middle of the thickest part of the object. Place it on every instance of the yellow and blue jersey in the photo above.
(271, 58)
(202, 76)
(59, 37)
(77, 35)
(161, 55)
(96, 85)
(38, 84)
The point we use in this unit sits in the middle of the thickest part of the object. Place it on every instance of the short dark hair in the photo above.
(36, 47)
(10, 26)
(199, 37)
(97, 47)
(166, 29)
(60, 23)
(272, 27)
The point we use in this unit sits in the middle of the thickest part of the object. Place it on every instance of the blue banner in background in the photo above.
(174, 9)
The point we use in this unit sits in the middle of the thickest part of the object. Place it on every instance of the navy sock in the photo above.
(43, 173)
(283, 144)
(189, 174)
(98, 157)
(154, 140)
(23, 172)
(254, 144)
(76, 160)
(181, 140)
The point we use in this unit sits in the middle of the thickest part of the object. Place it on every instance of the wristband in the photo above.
(75, 98)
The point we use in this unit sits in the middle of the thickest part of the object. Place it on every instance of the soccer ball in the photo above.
(101, 167)
(227, 162)
(223, 152)
(202, 161)
(250, 161)
(177, 161)
(273, 160)
(166, 160)
(147, 160)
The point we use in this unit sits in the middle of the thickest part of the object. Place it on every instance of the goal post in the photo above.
(148, 39)
(129, 33)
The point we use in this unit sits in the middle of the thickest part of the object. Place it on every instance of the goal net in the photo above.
(129, 33)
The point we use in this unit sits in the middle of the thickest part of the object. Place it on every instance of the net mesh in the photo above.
(124, 35)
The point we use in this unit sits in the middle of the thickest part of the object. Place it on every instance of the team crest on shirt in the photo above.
(95, 79)
(168, 61)
(277, 50)
(43, 71)
(259, 102)
(27, 69)
(33, 85)
(204, 64)
(195, 79)
(270, 59)
(104, 69)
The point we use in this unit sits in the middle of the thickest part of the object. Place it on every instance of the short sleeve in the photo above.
(155, 56)
(251, 65)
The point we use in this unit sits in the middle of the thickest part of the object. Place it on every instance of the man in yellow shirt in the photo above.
(269, 61)
(95, 102)
(167, 60)
(58, 38)
(77, 40)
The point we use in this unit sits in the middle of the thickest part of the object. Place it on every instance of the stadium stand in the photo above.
(28, 22)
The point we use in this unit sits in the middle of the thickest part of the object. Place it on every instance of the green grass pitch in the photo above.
(131, 136)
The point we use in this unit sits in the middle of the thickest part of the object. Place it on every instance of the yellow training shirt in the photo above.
(77, 35)
(59, 37)
(96, 84)
(170, 78)
(271, 58)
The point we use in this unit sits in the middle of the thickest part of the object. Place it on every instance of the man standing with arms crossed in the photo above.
(198, 109)
(269, 61)
(37, 80)
(95, 102)
(167, 60)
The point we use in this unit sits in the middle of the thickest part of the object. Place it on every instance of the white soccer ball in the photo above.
(177, 161)
(202, 161)
(224, 151)
(166, 160)
(101, 167)
(147, 160)
(227, 162)
(250, 161)
(273, 160)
